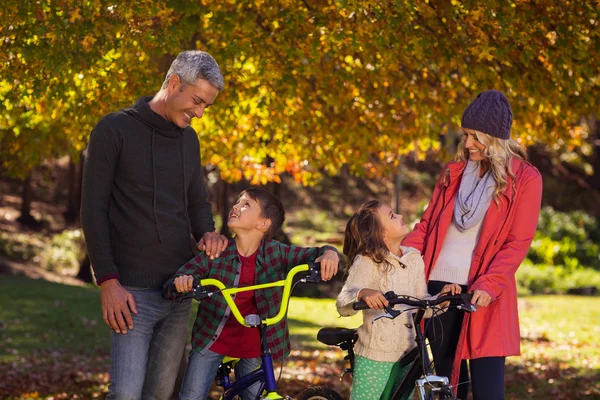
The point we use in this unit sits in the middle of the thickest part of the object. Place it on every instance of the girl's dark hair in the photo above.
(364, 235)
(270, 207)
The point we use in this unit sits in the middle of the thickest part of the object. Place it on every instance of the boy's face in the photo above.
(246, 215)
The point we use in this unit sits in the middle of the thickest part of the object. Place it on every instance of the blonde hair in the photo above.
(497, 157)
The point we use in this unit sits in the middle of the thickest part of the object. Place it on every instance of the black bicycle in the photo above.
(420, 375)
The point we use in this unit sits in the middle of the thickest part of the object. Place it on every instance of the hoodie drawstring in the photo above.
(185, 196)
(154, 188)
(185, 199)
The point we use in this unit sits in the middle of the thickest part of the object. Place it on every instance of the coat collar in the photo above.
(455, 170)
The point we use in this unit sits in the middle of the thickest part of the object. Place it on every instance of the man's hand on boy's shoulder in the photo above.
(213, 244)
(329, 264)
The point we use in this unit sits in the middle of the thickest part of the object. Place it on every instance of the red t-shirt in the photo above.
(237, 340)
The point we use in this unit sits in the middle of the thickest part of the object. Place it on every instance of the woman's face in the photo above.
(473, 145)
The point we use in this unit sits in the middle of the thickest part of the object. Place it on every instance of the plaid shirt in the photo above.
(273, 261)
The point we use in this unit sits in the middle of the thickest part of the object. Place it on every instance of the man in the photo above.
(144, 200)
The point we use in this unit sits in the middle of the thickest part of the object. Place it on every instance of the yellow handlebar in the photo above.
(287, 289)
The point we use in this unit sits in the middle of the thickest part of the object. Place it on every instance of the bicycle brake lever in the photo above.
(466, 303)
(200, 294)
(390, 313)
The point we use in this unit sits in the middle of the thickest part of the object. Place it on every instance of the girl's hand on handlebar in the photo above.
(184, 283)
(452, 288)
(329, 264)
(373, 298)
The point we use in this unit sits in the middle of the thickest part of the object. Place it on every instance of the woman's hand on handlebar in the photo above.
(184, 283)
(481, 298)
(329, 264)
(373, 298)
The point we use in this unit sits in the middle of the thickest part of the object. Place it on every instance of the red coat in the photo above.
(505, 237)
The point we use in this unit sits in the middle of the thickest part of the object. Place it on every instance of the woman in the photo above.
(476, 231)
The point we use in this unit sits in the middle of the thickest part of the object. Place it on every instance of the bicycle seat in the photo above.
(336, 336)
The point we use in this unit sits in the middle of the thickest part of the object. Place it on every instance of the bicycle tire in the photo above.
(320, 393)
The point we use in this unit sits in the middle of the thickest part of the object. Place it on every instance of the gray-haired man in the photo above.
(143, 200)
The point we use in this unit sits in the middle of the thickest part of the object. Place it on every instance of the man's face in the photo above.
(187, 101)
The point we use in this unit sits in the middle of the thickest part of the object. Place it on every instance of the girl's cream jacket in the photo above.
(386, 339)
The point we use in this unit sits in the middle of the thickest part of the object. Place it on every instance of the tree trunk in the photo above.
(72, 211)
(26, 198)
(398, 185)
(224, 208)
(85, 270)
(595, 159)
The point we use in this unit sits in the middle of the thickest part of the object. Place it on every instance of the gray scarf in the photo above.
(474, 196)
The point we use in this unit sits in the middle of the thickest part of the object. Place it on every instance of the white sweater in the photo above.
(454, 261)
(386, 339)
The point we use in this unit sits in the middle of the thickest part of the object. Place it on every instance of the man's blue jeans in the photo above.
(201, 371)
(144, 362)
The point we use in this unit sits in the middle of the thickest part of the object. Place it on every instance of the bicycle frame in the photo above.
(265, 373)
(420, 373)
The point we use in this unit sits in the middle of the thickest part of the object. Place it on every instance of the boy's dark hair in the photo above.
(270, 206)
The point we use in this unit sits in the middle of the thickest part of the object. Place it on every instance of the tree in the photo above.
(311, 85)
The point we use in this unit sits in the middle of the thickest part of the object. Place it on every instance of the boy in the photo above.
(250, 258)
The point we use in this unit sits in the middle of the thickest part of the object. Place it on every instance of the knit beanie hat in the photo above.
(489, 113)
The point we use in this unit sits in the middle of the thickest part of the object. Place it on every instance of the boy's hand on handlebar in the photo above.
(373, 298)
(329, 264)
(481, 298)
(184, 283)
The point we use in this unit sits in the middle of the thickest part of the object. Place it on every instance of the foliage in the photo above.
(550, 279)
(64, 252)
(21, 246)
(566, 239)
(61, 252)
(311, 86)
(66, 64)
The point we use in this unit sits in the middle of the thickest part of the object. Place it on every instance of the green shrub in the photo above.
(21, 246)
(566, 239)
(64, 251)
(550, 279)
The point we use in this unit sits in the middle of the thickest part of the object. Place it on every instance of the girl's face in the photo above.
(473, 145)
(393, 224)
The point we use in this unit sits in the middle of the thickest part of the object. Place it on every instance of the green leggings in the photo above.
(371, 378)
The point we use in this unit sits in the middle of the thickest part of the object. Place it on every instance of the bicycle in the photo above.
(265, 374)
(420, 375)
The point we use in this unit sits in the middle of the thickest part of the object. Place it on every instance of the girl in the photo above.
(380, 264)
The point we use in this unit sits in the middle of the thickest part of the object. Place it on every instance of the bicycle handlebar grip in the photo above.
(360, 305)
(314, 276)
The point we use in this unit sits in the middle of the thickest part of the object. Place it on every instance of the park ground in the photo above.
(54, 344)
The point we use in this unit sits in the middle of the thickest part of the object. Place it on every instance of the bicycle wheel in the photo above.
(320, 393)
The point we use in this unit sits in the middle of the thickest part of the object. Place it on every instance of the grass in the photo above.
(561, 353)
(36, 315)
